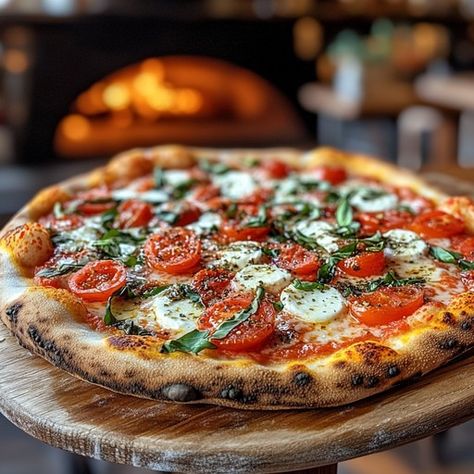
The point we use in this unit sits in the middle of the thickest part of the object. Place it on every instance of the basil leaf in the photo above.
(214, 168)
(259, 220)
(250, 162)
(159, 177)
(194, 342)
(327, 270)
(58, 210)
(448, 256)
(391, 279)
(168, 217)
(445, 256)
(273, 253)
(307, 242)
(344, 213)
(108, 217)
(226, 327)
(154, 291)
(278, 305)
(132, 329)
(374, 243)
(62, 269)
(231, 211)
(109, 318)
(191, 294)
(309, 285)
(180, 190)
(466, 264)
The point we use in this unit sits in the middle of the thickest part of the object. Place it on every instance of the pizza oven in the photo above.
(176, 99)
(89, 85)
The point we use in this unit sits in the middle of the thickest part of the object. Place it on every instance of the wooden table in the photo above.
(88, 420)
(79, 417)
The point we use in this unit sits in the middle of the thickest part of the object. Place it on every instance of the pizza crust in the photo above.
(51, 322)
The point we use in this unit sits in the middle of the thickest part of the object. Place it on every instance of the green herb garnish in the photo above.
(448, 256)
(196, 341)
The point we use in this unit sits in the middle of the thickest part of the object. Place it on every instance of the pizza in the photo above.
(257, 279)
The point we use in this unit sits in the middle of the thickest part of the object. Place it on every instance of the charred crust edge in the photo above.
(181, 392)
(12, 312)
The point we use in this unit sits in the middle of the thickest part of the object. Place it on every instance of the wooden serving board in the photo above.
(85, 419)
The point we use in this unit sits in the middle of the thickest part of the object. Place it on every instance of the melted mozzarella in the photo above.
(320, 231)
(235, 184)
(177, 315)
(206, 222)
(315, 306)
(404, 244)
(363, 201)
(239, 255)
(154, 195)
(272, 278)
(176, 177)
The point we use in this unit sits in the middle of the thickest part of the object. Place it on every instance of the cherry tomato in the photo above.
(134, 213)
(188, 214)
(94, 208)
(464, 245)
(175, 250)
(98, 280)
(53, 282)
(210, 283)
(386, 304)
(363, 265)
(250, 334)
(205, 192)
(276, 169)
(96, 201)
(260, 196)
(67, 222)
(236, 232)
(333, 174)
(298, 260)
(437, 224)
(371, 222)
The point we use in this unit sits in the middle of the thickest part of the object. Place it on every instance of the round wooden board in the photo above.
(85, 419)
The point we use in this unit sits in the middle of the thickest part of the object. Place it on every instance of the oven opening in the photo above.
(192, 100)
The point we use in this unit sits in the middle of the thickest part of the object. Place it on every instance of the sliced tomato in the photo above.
(188, 214)
(134, 213)
(363, 265)
(386, 304)
(53, 282)
(94, 208)
(175, 250)
(67, 222)
(235, 231)
(98, 280)
(465, 245)
(371, 222)
(276, 169)
(211, 283)
(437, 224)
(298, 260)
(333, 174)
(260, 196)
(249, 335)
(205, 192)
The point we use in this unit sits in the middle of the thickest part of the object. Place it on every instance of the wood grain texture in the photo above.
(79, 417)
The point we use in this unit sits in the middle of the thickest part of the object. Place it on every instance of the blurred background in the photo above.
(83, 79)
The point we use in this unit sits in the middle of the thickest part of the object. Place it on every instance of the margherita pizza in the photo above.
(252, 279)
